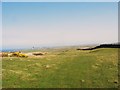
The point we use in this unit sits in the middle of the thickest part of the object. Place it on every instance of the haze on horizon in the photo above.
(56, 24)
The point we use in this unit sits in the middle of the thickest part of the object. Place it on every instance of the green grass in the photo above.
(67, 69)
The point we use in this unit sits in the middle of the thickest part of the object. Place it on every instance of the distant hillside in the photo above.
(109, 46)
(116, 45)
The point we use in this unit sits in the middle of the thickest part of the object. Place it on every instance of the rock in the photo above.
(82, 80)
(11, 59)
(97, 64)
(47, 66)
(115, 81)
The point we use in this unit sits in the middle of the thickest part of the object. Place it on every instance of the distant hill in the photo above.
(115, 45)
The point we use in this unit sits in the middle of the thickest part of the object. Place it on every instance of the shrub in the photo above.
(22, 55)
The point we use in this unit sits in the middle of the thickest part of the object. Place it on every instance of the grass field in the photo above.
(63, 68)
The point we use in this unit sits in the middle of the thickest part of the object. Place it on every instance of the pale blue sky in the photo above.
(51, 24)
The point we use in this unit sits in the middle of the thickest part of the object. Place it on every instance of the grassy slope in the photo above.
(67, 69)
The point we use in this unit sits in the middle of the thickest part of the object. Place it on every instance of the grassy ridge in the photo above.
(63, 69)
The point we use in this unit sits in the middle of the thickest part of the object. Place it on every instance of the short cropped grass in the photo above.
(63, 68)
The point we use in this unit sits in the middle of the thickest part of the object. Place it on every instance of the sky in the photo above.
(27, 24)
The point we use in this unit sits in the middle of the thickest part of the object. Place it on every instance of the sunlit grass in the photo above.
(63, 69)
